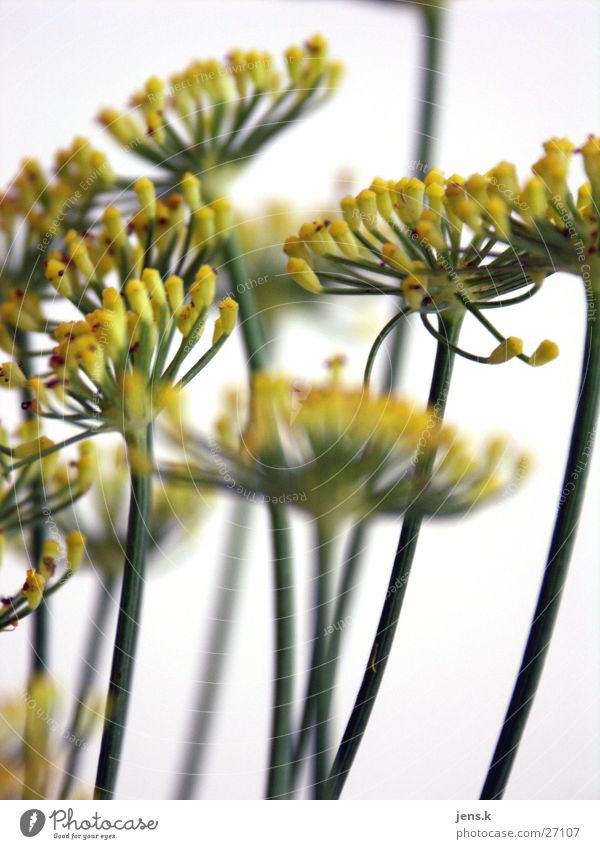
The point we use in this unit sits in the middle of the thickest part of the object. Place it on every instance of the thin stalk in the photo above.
(432, 18)
(213, 663)
(250, 323)
(77, 726)
(279, 776)
(121, 676)
(350, 569)
(405, 552)
(40, 641)
(321, 669)
(280, 759)
(557, 564)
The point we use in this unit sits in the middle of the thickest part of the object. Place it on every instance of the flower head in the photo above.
(112, 366)
(214, 115)
(337, 451)
(38, 208)
(455, 244)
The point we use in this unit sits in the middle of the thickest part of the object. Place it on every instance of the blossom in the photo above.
(38, 207)
(461, 245)
(337, 451)
(112, 367)
(213, 116)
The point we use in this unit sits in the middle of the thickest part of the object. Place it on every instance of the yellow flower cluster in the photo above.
(410, 228)
(49, 203)
(210, 117)
(111, 363)
(338, 451)
(109, 368)
(35, 458)
(456, 244)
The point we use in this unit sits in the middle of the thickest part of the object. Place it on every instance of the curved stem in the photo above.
(77, 727)
(280, 759)
(557, 564)
(214, 658)
(381, 337)
(121, 676)
(405, 552)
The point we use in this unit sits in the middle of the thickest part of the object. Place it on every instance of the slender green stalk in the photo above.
(39, 642)
(427, 121)
(77, 726)
(214, 658)
(405, 552)
(323, 682)
(279, 774)
(317, 705)
(432, 17)
(36, 737)
(557, 564)
(121, 676)
(280, 759)
(348, 578)
(250, 323)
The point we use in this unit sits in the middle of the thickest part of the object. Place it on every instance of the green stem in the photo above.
(77, 726)
(280, 760)
(279, 778)
(40, 620)
(322, 676)
(40, 641)
(214, 658)
(348, 580)
(557, 564)
(121, 676)
(405, 552)
(250, 323)
(432, 18)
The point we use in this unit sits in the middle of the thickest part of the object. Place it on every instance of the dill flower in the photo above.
(34, 463)
(213, 116)
(336, 451)
(112, 368)
(38, 207)
(459, 245)
(58, 562)
(35, 459)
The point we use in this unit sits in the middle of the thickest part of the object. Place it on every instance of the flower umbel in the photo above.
(110, 368)
(337, 451)
(213, 116)
(465, 245)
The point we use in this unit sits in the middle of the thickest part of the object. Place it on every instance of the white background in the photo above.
(515, 74)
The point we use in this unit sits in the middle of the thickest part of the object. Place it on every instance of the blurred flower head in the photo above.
(338, 451)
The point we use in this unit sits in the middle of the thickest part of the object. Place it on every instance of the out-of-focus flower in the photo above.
(338, 452)
(212, 117)
(30, 747)
(38, 208)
